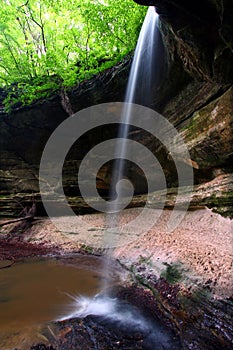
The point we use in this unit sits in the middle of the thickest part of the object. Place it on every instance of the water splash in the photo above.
(123, 316)
(83, 306)
(108, 308)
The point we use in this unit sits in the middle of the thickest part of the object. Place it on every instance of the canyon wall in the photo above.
(195, 95)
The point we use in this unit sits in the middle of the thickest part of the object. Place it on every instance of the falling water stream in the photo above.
(139, 87)
(144, 76)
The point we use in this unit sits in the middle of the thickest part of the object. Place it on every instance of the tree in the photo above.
(46, 45)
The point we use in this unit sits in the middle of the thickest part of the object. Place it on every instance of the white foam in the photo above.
(120, 312)
(109, 308)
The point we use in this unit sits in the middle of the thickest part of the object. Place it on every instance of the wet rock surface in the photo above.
(13, 245)
(200, 322)
(95, 333)
(201, 325)
(17, 249)
(148, 332)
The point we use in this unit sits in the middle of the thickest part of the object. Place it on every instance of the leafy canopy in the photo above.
(49, 44)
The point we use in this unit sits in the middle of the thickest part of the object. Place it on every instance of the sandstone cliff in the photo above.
(195, 95)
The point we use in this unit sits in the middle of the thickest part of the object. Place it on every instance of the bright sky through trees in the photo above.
(46, 44)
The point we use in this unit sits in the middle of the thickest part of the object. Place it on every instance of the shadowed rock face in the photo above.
(195, 95)
(25, 131)
(202, 34)
(200, 78)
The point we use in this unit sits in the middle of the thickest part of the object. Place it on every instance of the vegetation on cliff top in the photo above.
(46, 45)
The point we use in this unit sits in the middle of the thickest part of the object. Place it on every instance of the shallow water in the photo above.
(35, 291)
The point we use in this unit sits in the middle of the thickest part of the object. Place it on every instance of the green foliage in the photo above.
(67, 39)
(173, 273)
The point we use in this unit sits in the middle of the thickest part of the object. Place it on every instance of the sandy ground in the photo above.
(202, 242)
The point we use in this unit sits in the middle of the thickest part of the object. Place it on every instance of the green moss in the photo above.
(199, 121)
(87, 249)
(194, 126)
(172, 274)
(223, 198)
(145, 260)
(221, 204)
(226, 212)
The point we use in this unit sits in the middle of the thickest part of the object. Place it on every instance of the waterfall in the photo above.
(140, 88)
(142, 70)
(141, 84)
(142, 81)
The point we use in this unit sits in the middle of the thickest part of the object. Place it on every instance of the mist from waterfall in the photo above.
(122, 316)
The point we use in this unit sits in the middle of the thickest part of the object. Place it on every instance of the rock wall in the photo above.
(195, 95)
(201, 33)
(25, 131)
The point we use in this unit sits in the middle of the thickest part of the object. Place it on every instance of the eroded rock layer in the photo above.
(195, 94)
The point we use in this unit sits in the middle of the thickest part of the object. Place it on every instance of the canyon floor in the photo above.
(182, 277)
(201, 247)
